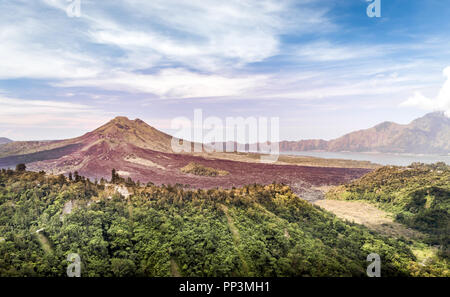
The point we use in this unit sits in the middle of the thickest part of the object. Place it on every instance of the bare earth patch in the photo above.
(368, 215)
(45, 244)
(67, 209)
(123, 173)
(122, 190)
(290, 160)
(235, 235)
(174, 269)
(145, 162)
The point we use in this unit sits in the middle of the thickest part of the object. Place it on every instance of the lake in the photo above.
(379, 158)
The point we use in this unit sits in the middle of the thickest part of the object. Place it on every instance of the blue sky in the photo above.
(324, 67)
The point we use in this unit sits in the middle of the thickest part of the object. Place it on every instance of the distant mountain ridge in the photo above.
(429, 134)
(4, 140)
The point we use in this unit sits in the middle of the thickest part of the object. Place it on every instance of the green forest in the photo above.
(417, 195)
(175, 231)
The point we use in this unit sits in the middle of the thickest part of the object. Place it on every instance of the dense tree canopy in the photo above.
(169, 231)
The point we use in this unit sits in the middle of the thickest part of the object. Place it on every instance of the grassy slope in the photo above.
(418, 197)
(144, 235)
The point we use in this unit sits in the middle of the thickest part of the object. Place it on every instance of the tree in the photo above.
(76, 176)
(70, 176)
(113, 176)
(122, 267)
(130, 182)
(61, 179)
(21, 167)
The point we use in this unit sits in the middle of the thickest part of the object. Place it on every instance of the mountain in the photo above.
(429, 134)
(106, 146)
(121, 130)
(4, 140)
(118, 131)
(141, 152)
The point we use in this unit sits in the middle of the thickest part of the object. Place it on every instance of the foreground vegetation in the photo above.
(168, 230)
(418, 196)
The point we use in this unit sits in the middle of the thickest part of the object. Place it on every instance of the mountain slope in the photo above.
(122, 130)
(418, 196)
(143, 153)
(429, 134)
(92, 153)
(4, 140)
(95, 153)
(117, 131)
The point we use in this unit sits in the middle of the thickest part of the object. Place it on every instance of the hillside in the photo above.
(114, 141)
(118, 131)
(168, 231)
(121, 130)
(141, 152)
(429, 134)
(418, 196)
(4, 140)
(304, 145)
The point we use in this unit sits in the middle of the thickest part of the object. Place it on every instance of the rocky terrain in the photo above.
(143, 153)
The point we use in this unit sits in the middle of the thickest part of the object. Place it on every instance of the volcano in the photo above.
(116, 144)
(136, 150)
(121, 131)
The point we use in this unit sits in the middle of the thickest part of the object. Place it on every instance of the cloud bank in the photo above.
(440, 103)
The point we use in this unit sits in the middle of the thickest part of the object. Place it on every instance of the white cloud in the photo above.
(15, 112)
(324, 51)
(204, 35)
(144, 50)
(172, 83)
(210, 33)
(201, 45)
(25, 54)
(440, 103)
(13, 106)
(60, 4)
(340, 84)
(186, 38)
